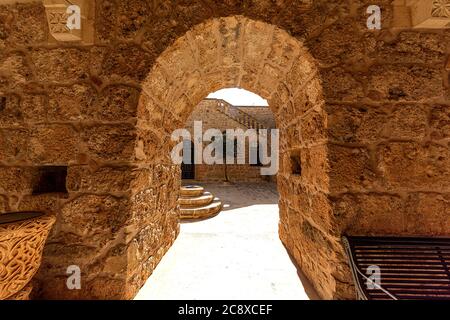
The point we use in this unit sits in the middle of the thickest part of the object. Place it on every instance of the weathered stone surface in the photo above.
(70, 103)
(14, 71)
(405, 83)
(338, 43)
(56, 144)
(126, 62)
(105, 288)
(23, 25)
(383, 116)
(14, 144)
(413, 47)
(10, 110)
(355, 174)
(341, 85)
(33, 107)
(372, 214)
(96, 219)
(15, 179)
(440, 122)
(61, 65)
(48, 203)
(102, 180)
(366, 124)
(115, 103)
(110, 142)
(4, 204)
(428, 214)
(407, 165)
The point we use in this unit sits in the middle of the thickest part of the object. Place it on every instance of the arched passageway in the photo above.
(239, 52)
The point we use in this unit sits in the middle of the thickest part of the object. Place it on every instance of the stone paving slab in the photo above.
(235, 255)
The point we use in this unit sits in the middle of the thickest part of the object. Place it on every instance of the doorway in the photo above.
(188, 167)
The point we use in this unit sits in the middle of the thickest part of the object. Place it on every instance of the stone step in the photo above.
(199, 201)
(191, 191)
(202, 212)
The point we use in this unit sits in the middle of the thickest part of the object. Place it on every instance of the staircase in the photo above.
(196, 203)
(238, 115)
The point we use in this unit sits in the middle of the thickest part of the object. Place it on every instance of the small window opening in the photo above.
(296, 164)
(50, 180)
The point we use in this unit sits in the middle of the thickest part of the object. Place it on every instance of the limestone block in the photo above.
(440, 122)
(95, 218)
(412, 47)
(369, 213)
(14, 144)
(110, 142)
(24, 25)
(55, 144)
(412, 165)
(14, 70)
(428, 214)
(16, 179)
(101, 180)
(341, 85)
(401, 83)
(125, 62)
(71, 103)
(313, 126)
(355, 174)
(60, 64)
(115, 103)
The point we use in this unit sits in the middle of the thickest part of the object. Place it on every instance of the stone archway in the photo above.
(382, 170)
(259, 57)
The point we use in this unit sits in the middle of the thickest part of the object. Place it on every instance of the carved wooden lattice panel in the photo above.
(21, 246)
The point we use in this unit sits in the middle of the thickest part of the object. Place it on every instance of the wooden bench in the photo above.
(409, 268)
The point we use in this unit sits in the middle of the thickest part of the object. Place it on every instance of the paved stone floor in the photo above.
(235, 255)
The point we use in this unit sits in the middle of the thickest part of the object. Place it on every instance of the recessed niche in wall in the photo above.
(2, 103)
(296, 164)
(50, 179)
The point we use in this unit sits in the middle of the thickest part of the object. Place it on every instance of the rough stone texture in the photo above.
(364, 113)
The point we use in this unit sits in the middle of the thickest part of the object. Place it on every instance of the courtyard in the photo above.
(234, 255)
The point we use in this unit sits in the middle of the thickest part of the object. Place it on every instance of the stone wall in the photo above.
(364, 120)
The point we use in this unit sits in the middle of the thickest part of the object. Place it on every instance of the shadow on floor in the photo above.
(240, 195)
(307, 285)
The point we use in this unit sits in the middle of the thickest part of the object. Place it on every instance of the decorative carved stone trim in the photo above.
(57, 18)
(423, 14)
(441, 9)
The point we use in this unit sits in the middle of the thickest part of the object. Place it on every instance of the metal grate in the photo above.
(410, 268)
